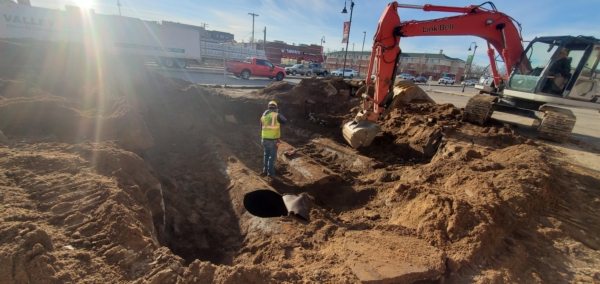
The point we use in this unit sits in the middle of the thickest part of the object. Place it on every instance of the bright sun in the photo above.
(87, 4)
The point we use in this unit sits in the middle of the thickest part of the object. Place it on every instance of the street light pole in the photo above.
(470, 65)
(322, 41)
(253, 15)
(344, 11)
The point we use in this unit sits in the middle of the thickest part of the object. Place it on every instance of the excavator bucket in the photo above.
(408, 91)
(361, 133)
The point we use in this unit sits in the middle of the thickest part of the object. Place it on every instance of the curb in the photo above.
(450, 93)
(246, 87)
(187, 70)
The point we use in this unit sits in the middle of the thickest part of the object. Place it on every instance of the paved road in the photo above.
(218, 79)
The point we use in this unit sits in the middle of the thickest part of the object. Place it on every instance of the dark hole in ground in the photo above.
(337, 196)
(265, 203)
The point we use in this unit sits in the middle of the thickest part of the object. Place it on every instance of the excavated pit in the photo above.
(121, 175)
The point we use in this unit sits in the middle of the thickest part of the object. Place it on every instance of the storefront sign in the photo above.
(291, 51)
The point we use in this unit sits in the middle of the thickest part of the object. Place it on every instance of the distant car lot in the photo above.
(406, 76)
(420, 79)
(345, 73)
(446, 81)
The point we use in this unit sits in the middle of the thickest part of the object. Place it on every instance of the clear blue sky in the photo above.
(307, 21)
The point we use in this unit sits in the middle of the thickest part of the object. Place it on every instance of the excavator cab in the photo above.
(552, 70)
(559, 67)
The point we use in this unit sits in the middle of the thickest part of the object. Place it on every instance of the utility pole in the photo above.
(204, 25)
(253, 15)
(361, 53)
(119, 5)
(265, 41)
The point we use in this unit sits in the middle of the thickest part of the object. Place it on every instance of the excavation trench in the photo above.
(119, 165)
(207, 154)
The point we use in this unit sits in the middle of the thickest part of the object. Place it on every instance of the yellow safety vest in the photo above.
(270, 126)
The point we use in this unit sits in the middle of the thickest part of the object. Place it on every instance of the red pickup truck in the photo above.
(255, 67)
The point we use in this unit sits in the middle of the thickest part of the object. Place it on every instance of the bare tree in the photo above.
(477, 71)
(421, 67)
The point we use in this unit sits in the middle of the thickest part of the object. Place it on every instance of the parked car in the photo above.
(421, 79)
(446, 81)
(406, 76)
(318, 70)
(298, 69)
(468, 83)
(344, 73)
(255, 67)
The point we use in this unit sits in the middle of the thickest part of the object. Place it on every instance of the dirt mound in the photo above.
(325, 102)
(68, 206)
(433, 198)
(45, 117)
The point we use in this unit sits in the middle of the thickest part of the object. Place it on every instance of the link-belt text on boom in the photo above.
(437, 28)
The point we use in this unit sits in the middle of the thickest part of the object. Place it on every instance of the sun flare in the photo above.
(87, 4)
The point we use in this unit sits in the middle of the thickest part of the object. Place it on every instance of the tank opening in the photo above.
(265, 203)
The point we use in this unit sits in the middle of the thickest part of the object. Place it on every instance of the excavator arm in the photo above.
(496, 28)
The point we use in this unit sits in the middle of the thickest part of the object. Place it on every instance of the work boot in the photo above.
(263, 174)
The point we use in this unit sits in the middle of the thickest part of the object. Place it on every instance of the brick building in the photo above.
(436, 65)
(281, 53)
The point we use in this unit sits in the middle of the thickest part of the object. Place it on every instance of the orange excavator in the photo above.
(527, 87)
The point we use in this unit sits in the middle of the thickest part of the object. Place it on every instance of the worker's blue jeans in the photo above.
(270, 156)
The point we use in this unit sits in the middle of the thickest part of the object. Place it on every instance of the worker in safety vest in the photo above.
(271, 132)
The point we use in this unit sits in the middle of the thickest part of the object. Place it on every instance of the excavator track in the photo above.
(479, 109)
(557, 124)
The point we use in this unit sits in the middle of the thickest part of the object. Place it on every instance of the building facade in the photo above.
(220, 36)
(436, 65)
(281, 53)
(209, 36)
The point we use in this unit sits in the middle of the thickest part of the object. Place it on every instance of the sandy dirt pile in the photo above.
(127, 176)
(325, 102)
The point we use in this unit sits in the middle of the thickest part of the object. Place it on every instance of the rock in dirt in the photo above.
(304, 171)
(230, 118)
(3, 139)
(331, 90)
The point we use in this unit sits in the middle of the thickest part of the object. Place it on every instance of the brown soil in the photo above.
(122, 175)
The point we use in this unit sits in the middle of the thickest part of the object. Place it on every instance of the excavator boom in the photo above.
(496, 28)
